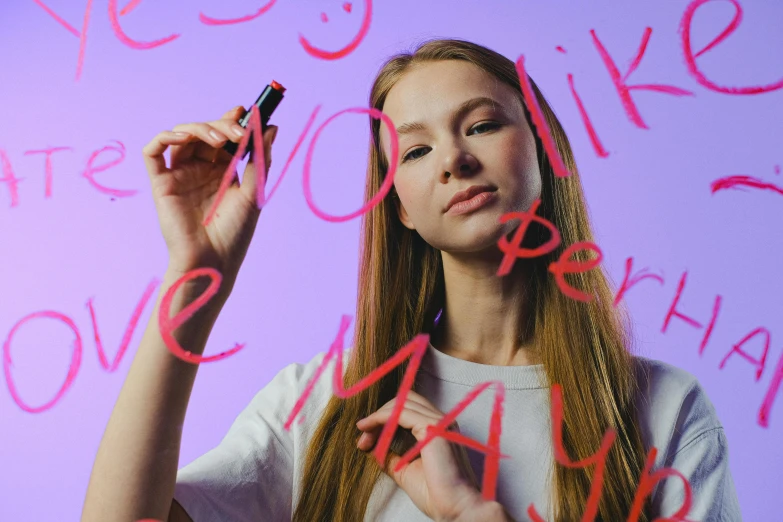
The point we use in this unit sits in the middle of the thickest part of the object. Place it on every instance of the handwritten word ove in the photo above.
(76, 358)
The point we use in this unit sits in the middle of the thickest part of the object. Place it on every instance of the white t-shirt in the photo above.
(254, 472)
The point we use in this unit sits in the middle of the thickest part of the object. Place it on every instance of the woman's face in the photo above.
(449, 150)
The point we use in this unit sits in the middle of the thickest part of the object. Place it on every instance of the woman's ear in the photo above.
(401, 212)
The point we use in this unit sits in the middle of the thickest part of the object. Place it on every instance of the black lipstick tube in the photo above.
(267, 101)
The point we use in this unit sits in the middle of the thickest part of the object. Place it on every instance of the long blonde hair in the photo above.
(584, 346)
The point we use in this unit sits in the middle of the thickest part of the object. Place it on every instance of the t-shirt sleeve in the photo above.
(701, 454)
(249, 475)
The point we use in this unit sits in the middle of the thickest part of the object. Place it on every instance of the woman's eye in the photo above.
(486, 125)
(409, 156)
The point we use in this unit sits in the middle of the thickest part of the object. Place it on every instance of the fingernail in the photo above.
(236, 129)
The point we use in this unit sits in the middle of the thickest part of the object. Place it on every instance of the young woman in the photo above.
(429, 266)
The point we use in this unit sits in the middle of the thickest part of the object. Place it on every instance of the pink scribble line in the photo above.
(133, 4)
(208, 20)
(59, 19)
(114, 20)
(738, 181)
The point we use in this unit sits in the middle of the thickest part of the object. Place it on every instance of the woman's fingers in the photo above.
(208, 139)
(188, 149)
(251, 179)
(413, 416)
(153, 151)
(235, 113)
(204, 139)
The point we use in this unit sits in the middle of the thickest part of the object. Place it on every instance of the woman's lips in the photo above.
(474, 203)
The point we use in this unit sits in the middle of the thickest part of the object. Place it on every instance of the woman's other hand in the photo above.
(440, 481)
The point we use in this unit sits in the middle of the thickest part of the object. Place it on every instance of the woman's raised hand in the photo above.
(185, 191)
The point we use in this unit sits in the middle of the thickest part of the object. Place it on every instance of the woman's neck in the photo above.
(483, 314)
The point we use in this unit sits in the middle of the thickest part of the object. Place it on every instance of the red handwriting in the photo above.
(737, 348)
(169, 324)
(624, 90)
(10, 178)
(73, 369)
(541, 126)
(387, 182)
(76, 358)
(591, 132)
(47, 167)
(646, 482)
(254, 130)
(116, 27)
(599, 459)
(620, 82)
(513, 251)
(352, 45)
(114, 19)
(690, 58)
(674, 313)
(415, 350)
(255, 125)
(740, 181)
(128, 331)
(91, 169)
(630, 280)
(208, 20)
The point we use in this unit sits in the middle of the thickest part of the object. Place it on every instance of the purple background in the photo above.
(650, 199)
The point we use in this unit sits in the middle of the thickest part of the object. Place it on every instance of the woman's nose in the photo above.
(458, 161)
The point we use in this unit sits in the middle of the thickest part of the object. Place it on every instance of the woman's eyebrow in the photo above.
(464, 108)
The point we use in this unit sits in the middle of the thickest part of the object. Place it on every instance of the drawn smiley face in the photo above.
(351, 46)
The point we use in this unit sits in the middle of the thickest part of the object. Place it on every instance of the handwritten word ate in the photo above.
(93, 167)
